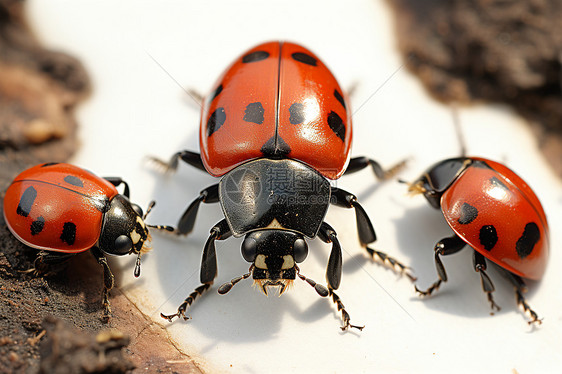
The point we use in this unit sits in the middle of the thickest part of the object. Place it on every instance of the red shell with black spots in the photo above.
(57, 207)
(277, 100)
(497, 213)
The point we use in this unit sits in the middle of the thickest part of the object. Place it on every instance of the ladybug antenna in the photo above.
(137, 266)
(158, 227)
(414, 188)
(226, 287)
(320, 289)
(458, 130)
(138, 261)
(150, 206)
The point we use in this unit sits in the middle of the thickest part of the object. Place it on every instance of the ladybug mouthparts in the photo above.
(264, 284)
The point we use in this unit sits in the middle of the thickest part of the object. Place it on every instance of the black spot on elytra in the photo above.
(216, 120)
(304, 58)
(37, 225)
(336, 124)
(215, 93)
(68, 235)
(49, 164)
(26, 201)
(498, 183)
(468, 214)
(488, 237)
(275, 148)
(255, 56)
(297, 113)
(75, 181)
(254, 113)
(339, 98)
(526, 243)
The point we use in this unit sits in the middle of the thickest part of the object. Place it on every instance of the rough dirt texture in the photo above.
(490, 50)
(39, 90)
(66, 350)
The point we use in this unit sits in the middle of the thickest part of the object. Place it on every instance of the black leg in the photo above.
(366, 231)
(360, 163)
(187, 303)
(333, 272)
(208, 273)
(479, 262)
(344, 315)
(348, 200)
(48, 263)
(521, 288)
(108, 281)
(444, 247)
(117, 181)
(220, 231)
(196, 96)
(391, 262)
(192, 158)
(187, 220)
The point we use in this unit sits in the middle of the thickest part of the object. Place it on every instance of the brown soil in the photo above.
(490, 50)
(38, 92)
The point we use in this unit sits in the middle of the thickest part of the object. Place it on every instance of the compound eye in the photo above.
(300, 250)
(137, 209)
(249, 249)
(123, 245)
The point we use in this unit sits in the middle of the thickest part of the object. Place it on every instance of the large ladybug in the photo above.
(63, 210)
(496, 213)
(276, 128)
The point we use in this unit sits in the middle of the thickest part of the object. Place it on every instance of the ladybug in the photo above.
(496, 213)
(62, 210)
(276, 129)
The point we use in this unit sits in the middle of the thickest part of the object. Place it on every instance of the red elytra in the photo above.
(63, 210)
(297, 111)
(507, 223)
(41, 200)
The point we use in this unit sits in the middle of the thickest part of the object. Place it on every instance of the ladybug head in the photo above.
(274, 255)
(123, 230)
(438, 178)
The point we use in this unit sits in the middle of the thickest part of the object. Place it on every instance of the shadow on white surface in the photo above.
(137, 110)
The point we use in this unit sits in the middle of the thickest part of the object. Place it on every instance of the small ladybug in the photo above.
(276, 128)
(63, 210)
(496, 213)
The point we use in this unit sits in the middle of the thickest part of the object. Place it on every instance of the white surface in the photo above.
(138, 53)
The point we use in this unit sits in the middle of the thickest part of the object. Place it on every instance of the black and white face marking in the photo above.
(123, 229)
(274, 254)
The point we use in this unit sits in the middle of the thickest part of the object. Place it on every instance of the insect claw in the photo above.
(169, 317)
